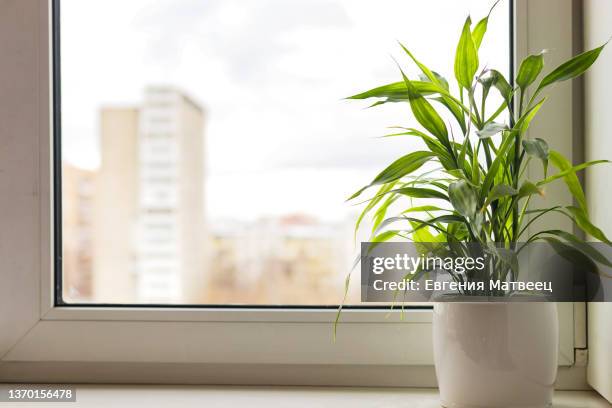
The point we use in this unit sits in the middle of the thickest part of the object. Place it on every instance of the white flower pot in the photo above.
(493, 355)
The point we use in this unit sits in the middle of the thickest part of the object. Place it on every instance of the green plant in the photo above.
(480, 162)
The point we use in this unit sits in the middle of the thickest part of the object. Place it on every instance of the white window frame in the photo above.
(43, 342)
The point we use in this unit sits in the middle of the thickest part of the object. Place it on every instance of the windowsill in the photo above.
(233, 396)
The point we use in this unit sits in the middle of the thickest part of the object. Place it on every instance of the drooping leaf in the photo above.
(463, 198)
(572, 254)
(491, 129)
(572, 68)
(379, 196)
(589, 249)
(582, 220)
(381, 212)
(537, 148)
(466, 57)
(529, 70)
(571, 179)
(569, 176)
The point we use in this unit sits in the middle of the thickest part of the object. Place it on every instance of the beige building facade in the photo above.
(149, 211)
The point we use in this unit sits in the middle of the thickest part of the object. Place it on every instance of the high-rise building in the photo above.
(77, 225)
(151, 202)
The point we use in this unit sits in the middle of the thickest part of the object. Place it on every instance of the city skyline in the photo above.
(135, 229)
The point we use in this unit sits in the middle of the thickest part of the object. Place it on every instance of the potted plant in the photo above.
(494, 354)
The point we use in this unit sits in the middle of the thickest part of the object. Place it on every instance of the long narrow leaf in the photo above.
(572, 68)
(466, 57)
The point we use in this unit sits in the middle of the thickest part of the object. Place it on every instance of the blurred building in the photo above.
(77, 218)
(149, 213)
(294, 259)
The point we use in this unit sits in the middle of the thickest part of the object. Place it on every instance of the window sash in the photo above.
(41, 340)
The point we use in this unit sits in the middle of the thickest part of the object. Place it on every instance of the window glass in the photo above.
(207, 151)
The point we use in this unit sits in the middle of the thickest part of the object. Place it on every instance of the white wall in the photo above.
(598, 139)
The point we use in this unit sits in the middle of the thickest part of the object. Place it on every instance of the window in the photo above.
(228, 116)
(41, 340)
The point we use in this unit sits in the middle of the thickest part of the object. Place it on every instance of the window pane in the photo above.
(207, 151)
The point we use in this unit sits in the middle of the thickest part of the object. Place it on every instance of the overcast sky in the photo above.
(271, 75)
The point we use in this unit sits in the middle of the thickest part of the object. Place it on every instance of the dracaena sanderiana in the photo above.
(479, 191)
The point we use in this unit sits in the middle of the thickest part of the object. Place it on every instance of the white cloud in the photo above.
(271, 74)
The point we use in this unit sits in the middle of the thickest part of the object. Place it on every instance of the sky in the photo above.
(271, 76)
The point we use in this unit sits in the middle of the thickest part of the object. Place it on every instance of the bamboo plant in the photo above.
(478, 183)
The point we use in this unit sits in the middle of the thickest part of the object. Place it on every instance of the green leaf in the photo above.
(379, 196)
(466, 57)
(444, 219)
(537, 148)
(502, 85)
(463, 198)
(573, 255)
(417, 192)
(357, 193)
(402, 167)
(384, 236)
(528, 189)
(479, 31)
(455, 110)
(421, 234)
(398, 169)
(586, 248)
(582, 220)
(569, 176)
(441, 80)
(434, 78)
(529, 70)
(481, 28)
(571, 68)
(493, 170)
(571, 179)
(425, 114)
(423, 208)
(524, 121)
(397, 91)
(491, 129)
(499, 191)
(381, 212)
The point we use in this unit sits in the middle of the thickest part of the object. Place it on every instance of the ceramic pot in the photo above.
(494, 355)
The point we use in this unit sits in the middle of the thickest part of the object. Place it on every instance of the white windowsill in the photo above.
(288, 397)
